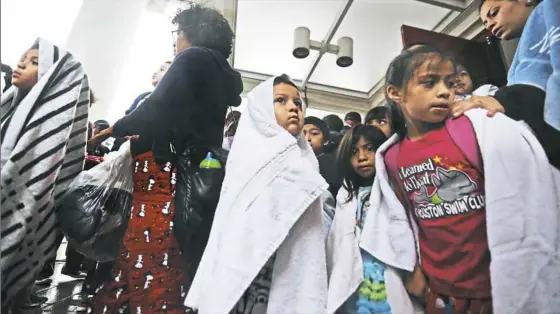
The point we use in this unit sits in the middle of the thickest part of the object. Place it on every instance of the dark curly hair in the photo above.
(205, 27)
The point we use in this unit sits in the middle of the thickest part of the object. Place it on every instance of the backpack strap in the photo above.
(462, 133)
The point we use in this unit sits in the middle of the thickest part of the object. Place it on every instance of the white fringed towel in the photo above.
(522, 215)
(270, 203)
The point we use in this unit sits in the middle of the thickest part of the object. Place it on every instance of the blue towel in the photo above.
(537, 59)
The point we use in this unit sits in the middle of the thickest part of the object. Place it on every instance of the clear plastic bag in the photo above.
(94, 213)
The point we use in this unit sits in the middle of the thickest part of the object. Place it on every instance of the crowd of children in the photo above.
(445, 200)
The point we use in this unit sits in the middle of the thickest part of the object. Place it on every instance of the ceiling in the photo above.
(265, 33)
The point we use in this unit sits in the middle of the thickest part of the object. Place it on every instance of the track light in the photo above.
(303, 45)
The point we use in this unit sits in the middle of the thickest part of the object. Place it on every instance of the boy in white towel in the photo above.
(266, 251)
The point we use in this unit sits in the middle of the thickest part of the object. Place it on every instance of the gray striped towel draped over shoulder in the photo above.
(43, 148)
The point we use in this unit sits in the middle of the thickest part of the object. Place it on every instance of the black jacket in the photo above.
(188, 106)
(526, 103)
(328, 170)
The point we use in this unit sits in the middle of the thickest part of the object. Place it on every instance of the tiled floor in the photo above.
(64, 292)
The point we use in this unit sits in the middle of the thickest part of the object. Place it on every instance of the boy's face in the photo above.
(505, 18)
(288, 108)
(25, 76)
(160, 73)
(383, 125)
(315, 137)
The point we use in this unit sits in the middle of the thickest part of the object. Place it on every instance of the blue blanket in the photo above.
(537, 60)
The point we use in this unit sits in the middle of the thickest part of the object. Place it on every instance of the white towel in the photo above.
(43, 149)
(270, 203)
(522, 214)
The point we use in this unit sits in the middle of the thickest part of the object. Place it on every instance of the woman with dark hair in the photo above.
(187, 108)
(532, 94)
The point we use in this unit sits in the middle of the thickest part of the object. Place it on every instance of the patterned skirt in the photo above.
(148, 276)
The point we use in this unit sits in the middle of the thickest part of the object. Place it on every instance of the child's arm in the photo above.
(415, 283)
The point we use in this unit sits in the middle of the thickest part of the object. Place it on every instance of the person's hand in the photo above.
(416, 284)
(133, 137)
(99, 137)
(489, 103)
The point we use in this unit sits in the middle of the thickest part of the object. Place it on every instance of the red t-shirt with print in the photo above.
(447, 196)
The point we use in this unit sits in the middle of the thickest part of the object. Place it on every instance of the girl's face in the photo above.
(288, 108)
(160, 73)
(429, 93)
(363, 159)
(383, 125)
(505, 18)
(463, 83)
(25, 76)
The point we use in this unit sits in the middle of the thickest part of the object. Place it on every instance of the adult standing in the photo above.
(187, 107)
(532, 94)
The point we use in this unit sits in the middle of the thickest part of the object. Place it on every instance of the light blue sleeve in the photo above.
(551, 10)
(537, 59)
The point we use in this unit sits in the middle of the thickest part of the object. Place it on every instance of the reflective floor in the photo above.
(63, 293)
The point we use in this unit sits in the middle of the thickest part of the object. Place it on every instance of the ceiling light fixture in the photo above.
(303, 44)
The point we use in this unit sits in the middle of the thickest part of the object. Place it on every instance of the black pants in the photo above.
(74, 260)
(48, 267)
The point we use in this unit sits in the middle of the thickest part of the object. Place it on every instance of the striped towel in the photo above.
(43, 148)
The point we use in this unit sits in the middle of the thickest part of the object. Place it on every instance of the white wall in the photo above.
(119, 42)
(101, 39)
(24, 20)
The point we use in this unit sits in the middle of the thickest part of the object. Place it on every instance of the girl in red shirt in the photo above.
(440, 188)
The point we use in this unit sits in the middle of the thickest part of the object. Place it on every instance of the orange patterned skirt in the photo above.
(148, 275)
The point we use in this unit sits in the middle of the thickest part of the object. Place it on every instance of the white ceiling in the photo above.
(265, 28)
(264, 33)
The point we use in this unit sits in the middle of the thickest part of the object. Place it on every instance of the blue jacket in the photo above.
(537, 59)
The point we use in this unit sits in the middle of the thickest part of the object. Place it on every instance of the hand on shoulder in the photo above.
(485, 102)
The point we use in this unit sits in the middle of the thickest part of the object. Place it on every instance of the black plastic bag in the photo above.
(196, 198)
(94, 213)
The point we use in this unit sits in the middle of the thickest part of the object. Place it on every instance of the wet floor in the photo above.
(64, 293)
